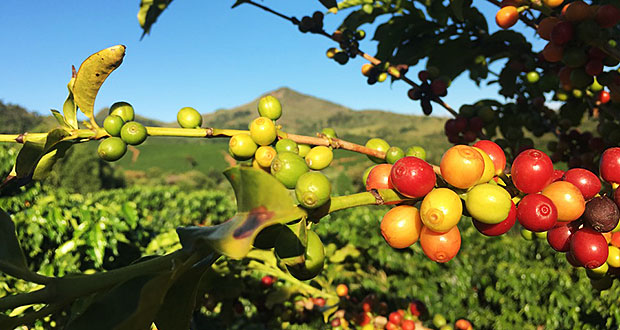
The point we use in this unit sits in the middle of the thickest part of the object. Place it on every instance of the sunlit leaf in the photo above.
(149, 12)
(69, 108)
(59, 117)
(261, 201)
(91, 75)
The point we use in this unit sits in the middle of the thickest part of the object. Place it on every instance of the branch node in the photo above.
(20, 138)
(378, 199)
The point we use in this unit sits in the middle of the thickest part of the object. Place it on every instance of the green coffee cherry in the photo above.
(123, 110)
(112, 149)
(377, 144)
(303, 149)
(393, 154)
(242, 146)
(189, 117)
(315, 259)
(269, 107)
(416, 151)
(329, 132)
(287, 145)
(312, 190)
(113, 124)
(263, 131)
(264, 155)
(598, 273)
(287, 167)
(133, 133)
(319, 157)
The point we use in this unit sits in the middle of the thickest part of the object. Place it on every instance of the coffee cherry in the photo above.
(613, 256)
(319, 157)
(567, 199)
(133, 133)
(589, 248)
(498, 228)
(312, 189)
(263, 131)
(379, 177)
(488, 203)
(123, 110)
(537, 213)
(412, 177)
(329, 53)
(440, 247)
(598, 272)
(264, 155)
(527, 235)
(377, 144)
(441, 210)
(287, 145)
(303, 149)
(270, 107)
(532, 77)
(287, 167)
(559, 237)
(342, 290)
(393, 154)
(267, 281)
(610, 165)
(531, 171)
(586, 181)
(489, 168)
(507, 17)
(113, 124)
(242, 147)
(401, 226)
(112, 149)
(416, 151)
(329, 132)
(462, 166)
(601, 214)
(189, 117)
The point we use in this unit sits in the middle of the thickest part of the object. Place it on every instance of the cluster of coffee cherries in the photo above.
(371, 313)
(432, 86)
(123, 131)
(298, 167)
(349, 45)
(313, 24)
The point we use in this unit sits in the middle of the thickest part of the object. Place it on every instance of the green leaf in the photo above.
(341, 254)
(36, 158)
(261, 201)
(69, 108)
(180, 301)
(278, 295)
(149, 12)
(47, 161)
(457, 8)
(59, 118)
(12, 259)
(329, 4)
(292, 242)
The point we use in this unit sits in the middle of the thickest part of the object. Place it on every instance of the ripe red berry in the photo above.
(537, 213)
(438, 87)
(559, 237)
(395, 317)
(607, 16)
(604, 97)
(610, 165)
(320, 301)
(557, 175)
(562, 33)
(407, 325)
(532, 171)
(267, 281)
(412, 177)
(587, 182)
(589, 248)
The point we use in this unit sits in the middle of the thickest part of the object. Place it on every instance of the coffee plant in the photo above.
(140, 258)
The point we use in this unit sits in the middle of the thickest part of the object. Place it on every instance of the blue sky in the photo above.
(200, 53)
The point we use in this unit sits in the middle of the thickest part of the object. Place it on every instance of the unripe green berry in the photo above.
(242, 146)
(313, 190)
(133, 133)
(416, 151)
(393, 154)
(319, 157)
(123, 110)
(264, 155)
(113, 124)
(263, 131)
(287, 145)
(303, 149)
(377, 144)
(329, 132)
(189, 117)
(270, 107)
(112, 149)
(287, 167)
